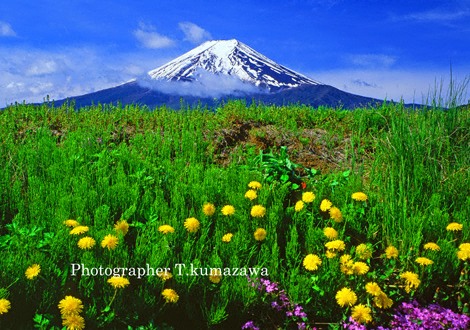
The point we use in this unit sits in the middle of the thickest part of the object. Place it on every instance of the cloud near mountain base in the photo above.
(206, 84)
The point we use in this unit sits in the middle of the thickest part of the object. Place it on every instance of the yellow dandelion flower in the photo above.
(79, 230)
(165, 276)
(110, 242)
(73, 322)
(391, 252)
(312, 262)
(360, 268)
(336, 245)
(192, 225)
(346, 264)
(251, 194)
(227, 237)
(308, 197)
(208, 209)
(299, 206)
(464, 251)
(361, 313)
(424, 261)
(70, 306)
(228, 210)
(170, 296)
(346, 296)
(86, 243)
(382, 301)
(373, 288)
(359, 196)
(464, 247)
(5, 306)
(71, 223)
(454, 226)
(260, 234)
(330, 233)
(258, 211)
(215, 275)
(330, 254)
(432, 246)
(463, 255)
(411, 280)
(121, 226)
(254, 185)
(336, 214)
(166, 229)
(363, 251)
(325, 205)
(32, 271)
(118, 282)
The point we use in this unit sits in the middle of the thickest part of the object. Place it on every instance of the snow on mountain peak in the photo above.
(232, 58)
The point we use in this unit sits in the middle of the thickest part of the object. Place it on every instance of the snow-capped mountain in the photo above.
(217, 71)
(233, 58)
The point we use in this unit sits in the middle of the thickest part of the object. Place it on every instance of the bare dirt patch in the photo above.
(310, 147)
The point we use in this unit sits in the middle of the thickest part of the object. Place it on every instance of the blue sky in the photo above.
(379, 48)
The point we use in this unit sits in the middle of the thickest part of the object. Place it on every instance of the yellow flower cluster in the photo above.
(118, 282)
(346, 296)
(359, 196)
(70, 309)
(251, 194)
(5, 306)
(411, 280)
(254, 185)
(330, 233)
(228, 210)
(381, 300)
(32, 271)
(166, 229)
(71, 223)
(361, 313)
(215, 276)
(170, 296)
(299, 206)
(325, 205)
(424, 261)
(312, 262)
(192, 225)
(208, 209)
(258, 211)
(86, 243)
(349, 267)
(227, 238)
(78, 230)
(109, 242)
(260, 234)
(335, 246)
(308, 197)
(464, 251)
(364, 251)
(391, 252)
(454, 226)
(121, 227)
(431, 246)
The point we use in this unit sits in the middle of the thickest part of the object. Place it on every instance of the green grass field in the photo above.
(104, 164)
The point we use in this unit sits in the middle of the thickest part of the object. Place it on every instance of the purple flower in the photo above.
(250, 325)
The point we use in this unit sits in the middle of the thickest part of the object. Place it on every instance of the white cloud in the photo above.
(392, 84)
(437, 16)
(207, 84)
(149, 38)
(371, 60)
(30, 74)
(6, 30)
(194, 33)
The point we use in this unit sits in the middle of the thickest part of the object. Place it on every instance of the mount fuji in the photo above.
(220, 70)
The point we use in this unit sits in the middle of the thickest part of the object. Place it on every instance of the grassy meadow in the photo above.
(292, 217)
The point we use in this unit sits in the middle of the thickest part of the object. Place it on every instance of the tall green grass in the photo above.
(101, 164)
